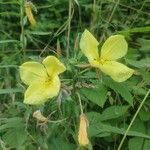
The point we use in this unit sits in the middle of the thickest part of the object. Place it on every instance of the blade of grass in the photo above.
(8, 91)
(122, 141)
(22, 36)
(69, 25)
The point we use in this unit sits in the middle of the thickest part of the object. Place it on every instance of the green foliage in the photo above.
(120, 88)
(96, 95)
(98, 127)
(13, 126)
(113, 112)
(108, 105)
(138, 144)
(8, 91)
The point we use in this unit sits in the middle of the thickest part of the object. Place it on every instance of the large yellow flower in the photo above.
(114, 48)
(42, 79)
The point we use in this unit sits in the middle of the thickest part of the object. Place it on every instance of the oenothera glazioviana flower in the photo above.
(42, 79)
(114, 48)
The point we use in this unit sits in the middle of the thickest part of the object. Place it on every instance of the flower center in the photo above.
(101, 61)
(48, 79)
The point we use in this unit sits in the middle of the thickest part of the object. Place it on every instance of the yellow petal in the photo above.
(116, 71)
(89, 45)
(32, 71)
(39, 92)
(114, 48)
(53, 65)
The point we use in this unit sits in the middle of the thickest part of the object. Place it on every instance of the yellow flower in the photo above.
(82, 135)
(114, 48)
(42, 79)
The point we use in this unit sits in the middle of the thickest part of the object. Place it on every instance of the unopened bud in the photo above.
(38, 115)
(82, 135)
(29, 14)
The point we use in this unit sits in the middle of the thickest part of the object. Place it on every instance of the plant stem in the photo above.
(110, 18)
(122, 141)
(22, 36)
(81, 108)
(69, 25)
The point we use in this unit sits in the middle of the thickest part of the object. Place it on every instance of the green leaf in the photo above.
(109, 128)
(144, 115)
(39, 32)
(137, 143)
(8, 91)
(94, 117)
(60, 144)
(146, 145)
(8, 41)
(138, 125)
(97, 128)
(120, 88)
(143, 63)
(96, 95)
(139, 90)
(146, 76)
(14, 122)
(15, 137)
(113, 112)
(13, 130)
(8, 66)
(135, 30)
(145, 44)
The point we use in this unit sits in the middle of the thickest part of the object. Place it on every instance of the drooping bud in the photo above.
(29, 14)
(38, 115)
(82, 135)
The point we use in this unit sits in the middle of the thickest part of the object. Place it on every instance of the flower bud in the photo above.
(29, 14)
(82, 135)
(38, 115)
